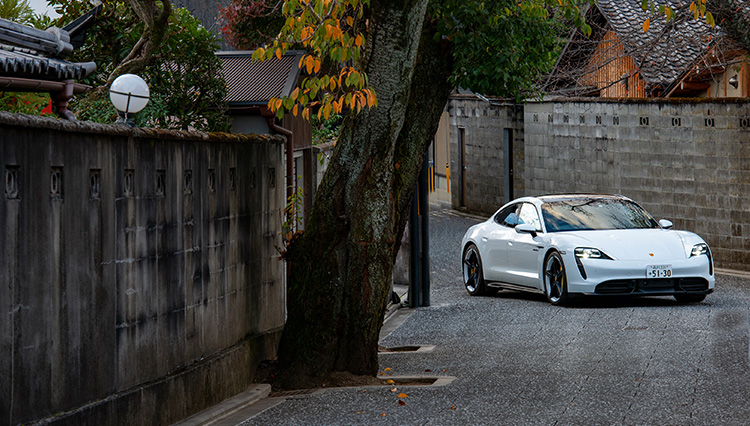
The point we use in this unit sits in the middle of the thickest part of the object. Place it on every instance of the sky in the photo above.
(40, 6)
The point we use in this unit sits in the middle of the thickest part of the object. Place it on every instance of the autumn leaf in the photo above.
(646, 25)
(390, 382)
(403, 395)
(400, 402)
(394, 390)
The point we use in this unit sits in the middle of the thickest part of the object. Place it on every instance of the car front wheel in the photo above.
(473, 276)
(555, 280)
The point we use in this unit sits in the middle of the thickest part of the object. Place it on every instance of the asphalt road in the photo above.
(518, 360)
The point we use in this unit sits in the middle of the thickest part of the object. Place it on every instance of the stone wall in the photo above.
(483, 123)
(139, 280)
(687, 161)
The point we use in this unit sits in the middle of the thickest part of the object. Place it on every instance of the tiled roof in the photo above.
(666, 50)
(31, 53)
(255, 83)
(16, 62)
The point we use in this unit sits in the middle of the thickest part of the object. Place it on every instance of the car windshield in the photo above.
(595, 214)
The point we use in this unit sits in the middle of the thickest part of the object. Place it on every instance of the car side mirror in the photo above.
(664, 223)
(526, 228)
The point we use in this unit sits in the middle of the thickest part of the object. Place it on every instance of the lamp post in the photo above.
(129, 94)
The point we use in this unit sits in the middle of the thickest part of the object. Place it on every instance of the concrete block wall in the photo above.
(483, 123)
(139, 280)
(687, 161)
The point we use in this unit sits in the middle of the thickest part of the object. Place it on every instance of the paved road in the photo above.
(520, 361)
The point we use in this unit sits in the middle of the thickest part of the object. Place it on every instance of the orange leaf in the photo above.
(309, 64)
(294, 110)
(403, 395)
(317, 65)
(646, 25)
(349, 21)
(278, 54)
(358, 40)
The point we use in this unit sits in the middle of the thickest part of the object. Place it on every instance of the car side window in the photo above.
(507, 216)
(529, 215)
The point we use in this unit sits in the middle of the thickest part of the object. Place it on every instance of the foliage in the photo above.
(249, 24)
(697, 9)
(24, 102)
(16, 11)
(21, 12)
(501, 47)
(187, 88)
(326, 130)
(331, 30)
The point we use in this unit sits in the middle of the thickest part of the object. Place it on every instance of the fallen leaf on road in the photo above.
(394, 390)
(403, 395)
(400, 402)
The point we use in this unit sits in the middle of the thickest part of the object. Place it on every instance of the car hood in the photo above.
(634, 244)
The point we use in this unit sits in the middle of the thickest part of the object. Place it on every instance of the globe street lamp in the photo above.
(129, 94)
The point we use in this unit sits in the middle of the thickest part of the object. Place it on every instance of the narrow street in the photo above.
(518, 360)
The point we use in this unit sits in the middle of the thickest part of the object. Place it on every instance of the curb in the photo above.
(226, 408)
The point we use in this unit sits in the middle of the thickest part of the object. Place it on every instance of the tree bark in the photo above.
(342, 265)
(155, 25)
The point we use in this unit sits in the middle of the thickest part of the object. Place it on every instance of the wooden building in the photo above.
(622, 58)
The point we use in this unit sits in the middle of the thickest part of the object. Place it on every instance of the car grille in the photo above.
(645, 286)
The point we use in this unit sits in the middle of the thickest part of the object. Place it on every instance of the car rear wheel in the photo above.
(689, 298)
(555, 280)
(473, 275)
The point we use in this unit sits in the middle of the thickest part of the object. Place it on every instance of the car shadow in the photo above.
(597, 302)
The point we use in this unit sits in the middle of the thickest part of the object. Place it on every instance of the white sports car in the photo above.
(585, 244)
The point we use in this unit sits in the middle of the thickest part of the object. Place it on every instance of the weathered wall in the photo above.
(687, 161)
(139, 279)
(483, 123)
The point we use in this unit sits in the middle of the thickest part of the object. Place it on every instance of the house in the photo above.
(632, 53)
(250, 85)
(33, 60)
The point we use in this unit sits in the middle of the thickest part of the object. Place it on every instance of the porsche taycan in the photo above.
(585, 244)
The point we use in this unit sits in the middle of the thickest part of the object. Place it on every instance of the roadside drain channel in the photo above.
(406, 349)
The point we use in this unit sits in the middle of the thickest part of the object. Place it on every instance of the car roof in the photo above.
(575, 197)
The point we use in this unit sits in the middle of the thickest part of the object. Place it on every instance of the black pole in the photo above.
(424, 204)
(414, 297)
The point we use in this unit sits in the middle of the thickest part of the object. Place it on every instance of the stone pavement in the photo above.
(513, 359)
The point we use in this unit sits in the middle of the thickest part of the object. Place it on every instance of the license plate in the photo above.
(659, 271)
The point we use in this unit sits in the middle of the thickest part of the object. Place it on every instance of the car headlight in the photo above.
(699, 249)
(590, 253)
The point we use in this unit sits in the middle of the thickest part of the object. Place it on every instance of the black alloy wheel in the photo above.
(555, 280)
(472, 267)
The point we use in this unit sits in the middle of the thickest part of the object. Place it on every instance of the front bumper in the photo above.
(612, 277)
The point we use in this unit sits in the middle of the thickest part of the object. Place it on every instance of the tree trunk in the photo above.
(342, 265)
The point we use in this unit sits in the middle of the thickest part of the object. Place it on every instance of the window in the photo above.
(529, 216)
(507, 216)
